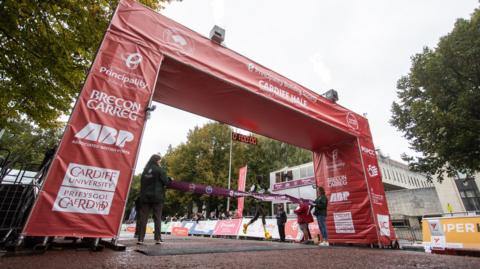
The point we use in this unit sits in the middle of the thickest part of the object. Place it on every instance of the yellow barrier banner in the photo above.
(452, 232)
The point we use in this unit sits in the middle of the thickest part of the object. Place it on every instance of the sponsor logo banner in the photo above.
(435, 227)
(343, 223)
(114, 106)
(293, 183)
(87, 190)
(180, 231)
(384, 223)
(242, 179)
(227, 227)
(256, 228)
(339, 197)
(204, 227)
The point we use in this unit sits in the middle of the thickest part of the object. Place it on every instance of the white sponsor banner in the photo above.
(90, 177)
(256, 229)
(435, 227)
(383, 222)
(204, 227)
(438, 242)
(343, 222)
(84, 201)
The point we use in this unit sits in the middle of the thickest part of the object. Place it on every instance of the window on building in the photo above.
(468, 189)
(295, 174)
(310, 171)
(303, 172)
(278, 177)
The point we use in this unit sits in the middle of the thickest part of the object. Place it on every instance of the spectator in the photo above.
(281, 220)
(303, 219)
(321, 204)
(152, 194)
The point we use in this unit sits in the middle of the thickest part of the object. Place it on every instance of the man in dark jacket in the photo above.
(321, 213)
(152, 193)
(281, 220)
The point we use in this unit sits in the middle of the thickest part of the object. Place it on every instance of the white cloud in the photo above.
(218, 7)
(320, 68)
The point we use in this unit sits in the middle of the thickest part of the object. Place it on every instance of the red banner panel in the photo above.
(86, 188)
(242, 179)
(349, 217)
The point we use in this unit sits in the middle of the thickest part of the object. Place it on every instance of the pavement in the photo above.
(204, 252)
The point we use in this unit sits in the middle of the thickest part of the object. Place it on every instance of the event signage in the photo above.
(293, 183)
(86, 187)
(87, 184)
(248, 139)
(242, 179)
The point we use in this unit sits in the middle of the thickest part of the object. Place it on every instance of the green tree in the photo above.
(46, 48)
(28, 143)
(204, 159)
(438, 108)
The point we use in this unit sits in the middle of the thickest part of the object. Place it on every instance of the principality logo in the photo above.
(174, 38)
(336, 163)
(352, 121)
(132, 60)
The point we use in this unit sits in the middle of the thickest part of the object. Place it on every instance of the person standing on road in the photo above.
(152, 194)
(321, 204)
(304, 217)
(281, 220)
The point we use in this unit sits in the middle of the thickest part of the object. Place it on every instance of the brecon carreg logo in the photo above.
(113, 105)
(337, 181)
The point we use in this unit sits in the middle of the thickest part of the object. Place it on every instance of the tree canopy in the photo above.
(46, 48)
(438, 108)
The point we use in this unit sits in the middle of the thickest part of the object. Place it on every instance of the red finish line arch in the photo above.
(145, 56)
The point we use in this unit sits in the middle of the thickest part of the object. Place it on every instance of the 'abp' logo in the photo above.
(132, 60)
(105, 135)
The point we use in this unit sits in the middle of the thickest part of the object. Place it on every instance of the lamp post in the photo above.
(229, 170)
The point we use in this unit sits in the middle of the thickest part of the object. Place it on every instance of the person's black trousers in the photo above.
(145, 209)
(281, 231)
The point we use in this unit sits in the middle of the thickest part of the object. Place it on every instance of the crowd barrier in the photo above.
(230, 228)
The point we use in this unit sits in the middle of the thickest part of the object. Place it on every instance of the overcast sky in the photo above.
(359, 48)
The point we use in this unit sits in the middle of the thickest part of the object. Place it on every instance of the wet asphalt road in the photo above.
(229, 253)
